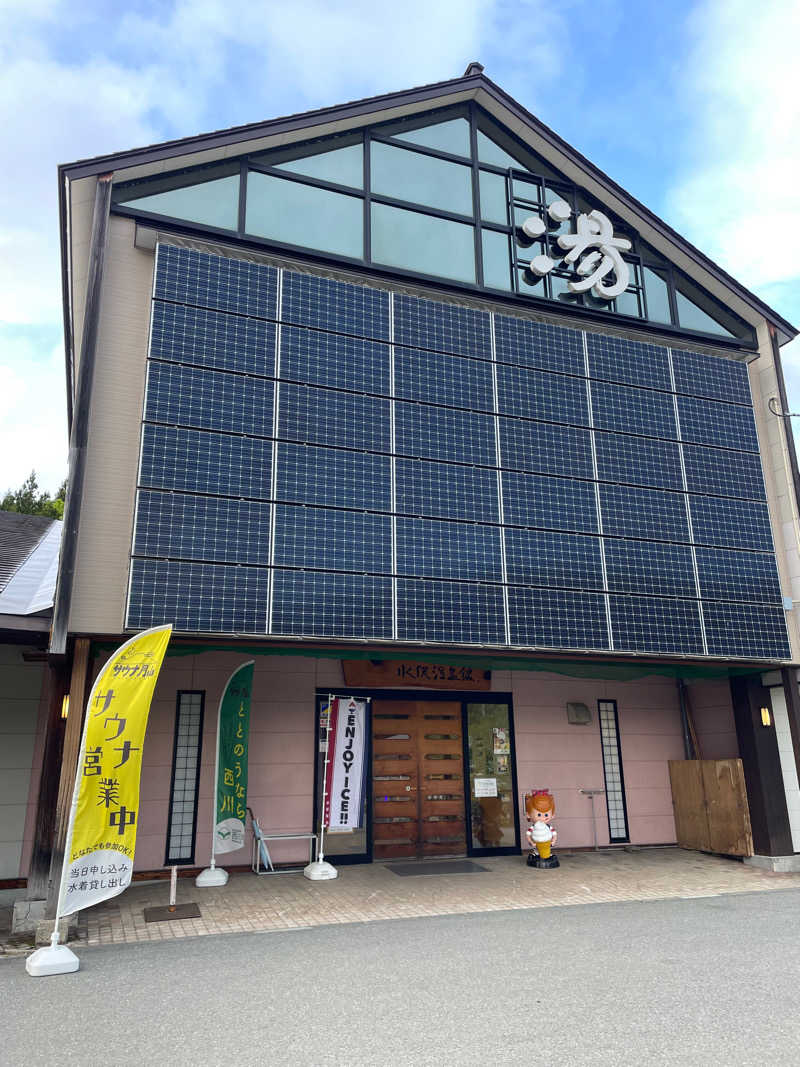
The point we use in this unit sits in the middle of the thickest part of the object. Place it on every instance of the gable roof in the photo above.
(473, 85)
(29, 546)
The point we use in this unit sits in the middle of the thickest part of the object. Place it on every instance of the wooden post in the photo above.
(39, 868)
(758, 748)
(69, 761)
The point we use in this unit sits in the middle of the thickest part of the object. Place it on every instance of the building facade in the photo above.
(405, 399)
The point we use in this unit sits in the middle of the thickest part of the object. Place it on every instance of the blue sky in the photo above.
(692, 107)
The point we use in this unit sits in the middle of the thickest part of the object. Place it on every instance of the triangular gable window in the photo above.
(340, 166)
(491, 152)
(451, 136)
(507, 222)
(210, 203)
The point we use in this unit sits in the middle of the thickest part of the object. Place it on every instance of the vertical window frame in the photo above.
(615, 839)
(169, 859)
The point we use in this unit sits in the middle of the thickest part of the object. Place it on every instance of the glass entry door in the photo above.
(492, 778)
(417, 779)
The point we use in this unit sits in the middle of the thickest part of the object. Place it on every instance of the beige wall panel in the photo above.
(81, 195)
(778, 480)
(20, 688)
(107, 514)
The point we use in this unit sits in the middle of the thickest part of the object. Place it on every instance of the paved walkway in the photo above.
(371, 892)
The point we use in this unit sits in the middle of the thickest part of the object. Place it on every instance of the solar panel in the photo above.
(446, 490)
(442, 327)
(708, 423)
(549, 503)
(553, 560)
(743, 576)
(545, 447)
(554, 397)
(551, 618)
(436, 475)
(332, 540)
(618, 359)
(316, 604)
(308, 300)
(656, 624)
(711, 376)
(746, 630)
(326, 417)
(638, 460)
(538, 344)
(648, 567)
(204, 597)
(183, 526)
(730, 523)
(618, 407)
(432, 549)
(212, 339)
(459, 612)
(332, 476)
(443, 379)
(186, 276)
(209, 400)
(648, 513)
(319, 358)
(723, 473)
(444, 433)
(174, 457)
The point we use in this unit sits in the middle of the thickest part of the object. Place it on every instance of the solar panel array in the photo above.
(333, 460)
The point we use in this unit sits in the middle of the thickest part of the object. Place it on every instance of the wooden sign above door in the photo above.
(394, 673)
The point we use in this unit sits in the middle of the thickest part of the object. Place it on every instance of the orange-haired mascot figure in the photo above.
(540, 809)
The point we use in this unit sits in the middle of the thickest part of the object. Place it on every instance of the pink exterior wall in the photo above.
(551, 753)
(712, 712)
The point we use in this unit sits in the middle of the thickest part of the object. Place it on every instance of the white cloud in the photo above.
(739, 198)
(33, 423)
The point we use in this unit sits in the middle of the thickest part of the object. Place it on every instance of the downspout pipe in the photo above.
(688, 744)
(79, 435)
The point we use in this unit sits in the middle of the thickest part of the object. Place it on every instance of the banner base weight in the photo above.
(320, 871)
(53, 959)
(211, 876)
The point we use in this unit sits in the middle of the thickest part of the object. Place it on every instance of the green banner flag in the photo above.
(232, 733)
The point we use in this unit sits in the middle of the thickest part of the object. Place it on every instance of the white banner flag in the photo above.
(348, 751)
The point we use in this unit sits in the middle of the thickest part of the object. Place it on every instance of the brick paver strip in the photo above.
(370, 893)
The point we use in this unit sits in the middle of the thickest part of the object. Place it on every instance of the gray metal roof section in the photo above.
(29, 546)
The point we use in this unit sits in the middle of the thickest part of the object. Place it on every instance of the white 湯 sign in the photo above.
(592, 249)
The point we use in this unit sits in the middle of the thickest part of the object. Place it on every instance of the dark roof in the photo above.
(19, 535)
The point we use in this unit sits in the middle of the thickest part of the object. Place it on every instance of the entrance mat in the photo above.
(406, 870)
(166, 914)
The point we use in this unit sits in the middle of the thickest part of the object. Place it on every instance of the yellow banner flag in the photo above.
(101, 838)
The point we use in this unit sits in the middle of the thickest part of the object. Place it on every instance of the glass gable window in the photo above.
(407, 195)
(211, 203)
(451, 136)
(299, 214)
(341, 166)
(423, 243)
(407, 175)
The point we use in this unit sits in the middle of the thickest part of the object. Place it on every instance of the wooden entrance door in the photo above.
(417, 779)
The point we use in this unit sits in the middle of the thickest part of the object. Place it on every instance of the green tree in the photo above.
(27, 500)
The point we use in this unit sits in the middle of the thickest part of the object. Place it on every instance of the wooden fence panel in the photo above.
(709, 800)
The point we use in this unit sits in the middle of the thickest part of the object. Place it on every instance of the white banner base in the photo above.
(320, 871)
(211, 876)
(53, 959)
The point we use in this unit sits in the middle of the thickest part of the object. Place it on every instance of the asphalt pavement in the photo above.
(710, 981)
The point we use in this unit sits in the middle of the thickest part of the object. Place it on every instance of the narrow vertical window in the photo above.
(185, 777)
(612, 768)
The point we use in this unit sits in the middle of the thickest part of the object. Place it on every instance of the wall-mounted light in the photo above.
(65, 707)
(766, 718)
